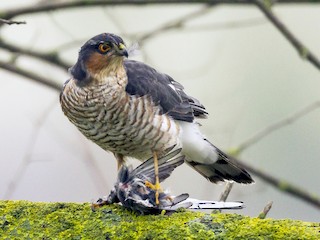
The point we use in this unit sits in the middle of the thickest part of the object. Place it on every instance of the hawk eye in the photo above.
(104, 47)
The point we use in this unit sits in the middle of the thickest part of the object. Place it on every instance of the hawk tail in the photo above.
(210, 161)
(223, 169)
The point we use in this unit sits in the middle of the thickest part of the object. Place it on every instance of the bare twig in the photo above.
(276, 126)
(27, 159)
(69, 44)
(265, 211)
(224, 195)
(60, 26)
(177, 23)
(51, 58)
(282, 185)
(10, 22)
(235, 24)
(52, 6)
(303, 51)
(32, 76)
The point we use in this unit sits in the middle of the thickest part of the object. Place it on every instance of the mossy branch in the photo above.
(29, 220)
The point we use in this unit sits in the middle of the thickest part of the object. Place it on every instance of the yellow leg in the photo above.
(156, 174)
(155, 186)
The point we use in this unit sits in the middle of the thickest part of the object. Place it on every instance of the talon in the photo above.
(156, 187)
(150, 185)
(153, 186)
(99, 203)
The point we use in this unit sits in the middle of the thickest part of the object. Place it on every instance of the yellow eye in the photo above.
(103, 47)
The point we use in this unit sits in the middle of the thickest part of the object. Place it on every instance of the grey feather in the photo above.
(164, 91)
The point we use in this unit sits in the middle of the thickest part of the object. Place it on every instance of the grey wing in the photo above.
(164, 91)
(166, 165)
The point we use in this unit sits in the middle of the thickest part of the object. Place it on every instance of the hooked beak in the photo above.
(121, 50)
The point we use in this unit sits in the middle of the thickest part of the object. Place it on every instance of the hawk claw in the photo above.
(99, 203)
(156, 187)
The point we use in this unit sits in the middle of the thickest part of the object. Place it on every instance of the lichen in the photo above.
(30, 220)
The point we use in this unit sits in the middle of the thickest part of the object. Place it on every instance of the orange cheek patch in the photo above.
(96, 63)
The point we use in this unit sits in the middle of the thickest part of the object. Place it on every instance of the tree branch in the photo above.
(51, 6)
(10, 22)
(36, 78)
(303, 51)
(275, 126)
(177, 23)
(235, 24)
(282, 185)
(52, 58)
(227, 189)
(35, 220)
(265, 211)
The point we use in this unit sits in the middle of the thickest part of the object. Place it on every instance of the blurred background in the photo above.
(230, 57)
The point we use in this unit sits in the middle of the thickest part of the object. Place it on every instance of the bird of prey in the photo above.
(132, 110)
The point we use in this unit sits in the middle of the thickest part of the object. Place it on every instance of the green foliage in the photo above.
(29, 220)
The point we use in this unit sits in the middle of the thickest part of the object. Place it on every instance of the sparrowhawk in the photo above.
(132, 110)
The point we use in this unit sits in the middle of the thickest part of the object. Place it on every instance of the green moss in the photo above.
(29, 220)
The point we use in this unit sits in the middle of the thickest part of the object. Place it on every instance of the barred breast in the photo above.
(118, 122)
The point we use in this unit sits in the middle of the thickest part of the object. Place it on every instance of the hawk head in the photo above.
(100, 53)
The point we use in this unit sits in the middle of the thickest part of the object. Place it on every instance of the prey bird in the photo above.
(133, 193)
(132, 110)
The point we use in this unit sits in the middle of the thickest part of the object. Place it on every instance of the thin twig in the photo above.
(10, 22)
(224, 195)
(60, 26)
(235, 24)
(303, 51)
(32, 76)
(27, 159)
(265, 210)
(68, 45)
(177, 23)
(51, 58)
(282, 185)
(276, 126)
(51, 6)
